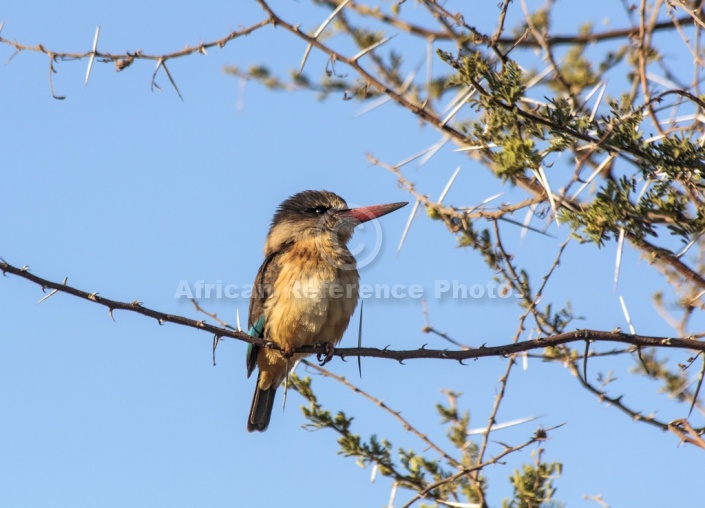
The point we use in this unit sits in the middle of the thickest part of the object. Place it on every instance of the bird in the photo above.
(306, 289)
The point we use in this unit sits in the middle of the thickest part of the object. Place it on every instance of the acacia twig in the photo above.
(399, 355)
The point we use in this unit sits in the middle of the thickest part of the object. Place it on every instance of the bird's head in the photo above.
(321, 215)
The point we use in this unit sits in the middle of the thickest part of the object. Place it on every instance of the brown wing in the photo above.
(263, 286)
(262, 289)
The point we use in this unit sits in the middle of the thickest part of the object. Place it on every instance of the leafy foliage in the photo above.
(455, 476)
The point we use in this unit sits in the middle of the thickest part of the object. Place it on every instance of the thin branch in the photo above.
(540, 435)
(102, 56)
(687, 433)
(213, 315)
(402, 100)
(124, 60)
(380, 403)
(613, 401)
(399, 355)
(518, 41)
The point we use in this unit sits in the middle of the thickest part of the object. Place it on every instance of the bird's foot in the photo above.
(287, 352)
(322, 360)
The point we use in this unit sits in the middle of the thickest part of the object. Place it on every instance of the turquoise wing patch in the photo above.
(256, 330)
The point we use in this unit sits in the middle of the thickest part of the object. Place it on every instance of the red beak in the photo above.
(365, 213)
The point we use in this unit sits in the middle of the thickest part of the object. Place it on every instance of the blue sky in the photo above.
(128, 192)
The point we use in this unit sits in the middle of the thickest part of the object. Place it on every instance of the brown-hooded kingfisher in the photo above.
(306, 289)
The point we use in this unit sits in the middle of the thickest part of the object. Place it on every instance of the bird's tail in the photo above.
(261, 410)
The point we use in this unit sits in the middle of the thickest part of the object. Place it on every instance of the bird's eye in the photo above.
(318, 210)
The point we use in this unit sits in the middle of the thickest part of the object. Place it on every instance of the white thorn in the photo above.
(319, 31)
(373, 475)
(458, 106)
(93, 52)
(370, 48)
(599, 168)
(434, 149)
(626, 315)
(618, 260)
(527, 221)
(392, 495)
(597, 102)
(498, 426)
(448, 185)
(690, 244)
(541, 176)
(408, 225)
